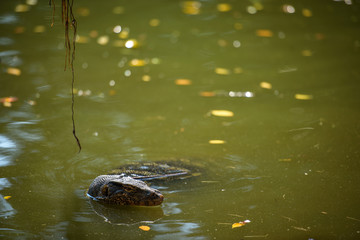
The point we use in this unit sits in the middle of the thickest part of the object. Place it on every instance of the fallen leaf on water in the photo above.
(137, 62)
(82, 39)
(216, 141)
(207, 94)
(306, 53)
(22, 8)
(154, 22)
(191, 7)
(222, 71)
(39, 29)
(19, 29)
(7, 197)
(265, 85)
(6, 101)
(223, 7)
(285, 160)
(146, 78)
(306, 12)
(222, 113)
(182, 82)
(14, 71)
(103, 40)
(240, 224)
(303, 96)
(144, 228)
(264, 33)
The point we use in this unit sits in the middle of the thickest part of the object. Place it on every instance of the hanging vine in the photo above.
(69, 22)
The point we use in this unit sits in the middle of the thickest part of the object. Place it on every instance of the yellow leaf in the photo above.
(306, 53)
(207, 94)
(14, 71)
(265, 85)
(264, 33)
(7, 197)
(137, 62)
(82, 39)
(144, 228)
(303, 96)
(39, 29)
(154, 22)
(183, 82)
(216, 141)
(223, 7)
(22, 8)
(146, 78)
(222, 71)
(191, 7)
(238, 224)
(222, 113)
(306, 12)
(103, 40)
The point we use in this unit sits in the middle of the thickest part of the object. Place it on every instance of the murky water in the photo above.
(286, 76)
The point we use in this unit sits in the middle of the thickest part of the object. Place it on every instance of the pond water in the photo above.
(263, 94)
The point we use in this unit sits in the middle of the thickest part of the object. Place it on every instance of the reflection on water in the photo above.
(262, 93)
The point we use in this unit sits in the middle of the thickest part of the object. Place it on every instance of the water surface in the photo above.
(285, 75)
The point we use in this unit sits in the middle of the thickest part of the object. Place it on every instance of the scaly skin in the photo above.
(116, 189)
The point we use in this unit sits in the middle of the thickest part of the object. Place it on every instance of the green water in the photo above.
(289, 165)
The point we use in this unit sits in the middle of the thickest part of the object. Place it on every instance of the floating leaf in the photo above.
(191, 7)
(39, 29)
(306, 12)
(31, 2)
(7, 197)
(183, 82)
(82, 39)
(222, 113)
(264, 33)
(6, 101)
(223, 7)
(103, 40)
(154, 22)
(217, 141)
(14, 71)
(146, 78)
(306, 53)
(265, 85)
(137, 62)
(240, 224)
(303, 96)
(285, 160)
(222, 71)
(19, 29)
(22, 8)
(144, 228)
(207, 94)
